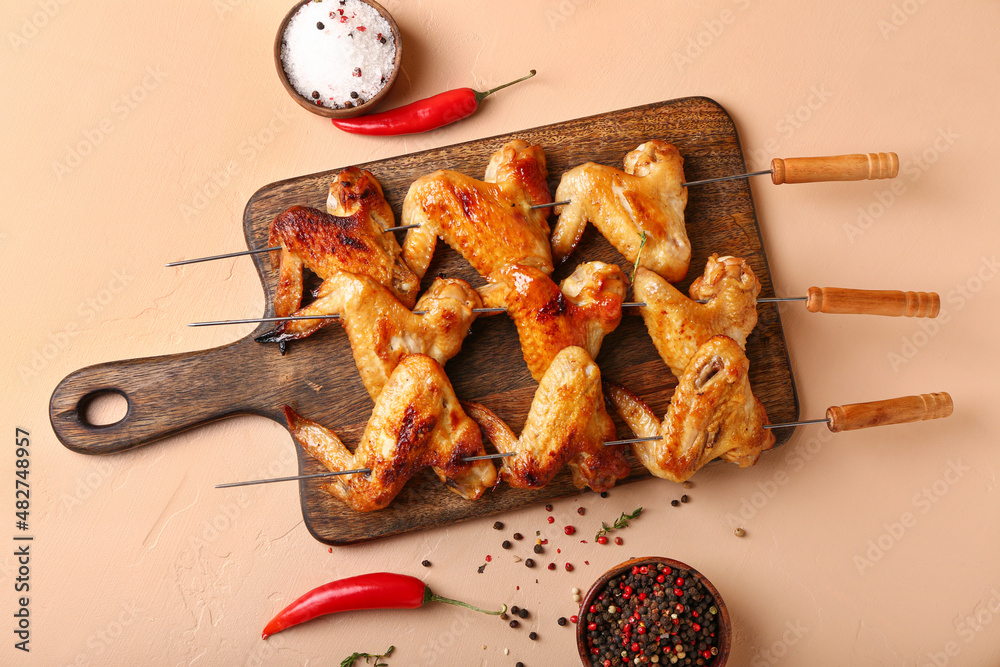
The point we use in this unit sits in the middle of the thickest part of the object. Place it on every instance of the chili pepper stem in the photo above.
(438, 598)
(480, 96)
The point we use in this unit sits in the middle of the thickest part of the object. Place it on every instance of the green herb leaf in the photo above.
(349, 660)
(637, 258)
(620, 522)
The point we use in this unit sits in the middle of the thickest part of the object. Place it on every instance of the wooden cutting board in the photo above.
(167, 395)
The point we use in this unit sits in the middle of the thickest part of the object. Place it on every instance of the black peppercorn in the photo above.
(315, 94)
(514, 623)
(354, 95)
(319, 24)
(604, 494)
(529, 563)
(539, 549)
(425, 563)
(505, 544)
(684, 498)
(675, 503)
(523, 613)
(532, 636)
(562, 620)
(518, 536)
(497, 525)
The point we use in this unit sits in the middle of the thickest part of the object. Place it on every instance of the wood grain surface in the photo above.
(317, 377)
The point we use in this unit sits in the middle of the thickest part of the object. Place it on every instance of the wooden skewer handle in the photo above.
(893, 411)
(855, 167)
(892, 303)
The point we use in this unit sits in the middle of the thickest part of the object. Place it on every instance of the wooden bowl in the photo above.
(327, 112)
(725, 634)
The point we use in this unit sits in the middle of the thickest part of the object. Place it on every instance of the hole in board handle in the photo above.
(105, 407)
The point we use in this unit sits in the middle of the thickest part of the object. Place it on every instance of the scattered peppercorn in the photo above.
(675, 503)
(739, 532)
(548, 508)
(569, 567)
(688, 485)
(523, 613)
(574, 618)
(581, 511)
(514, 623)
(532, 636)
(552, 566)
(505, 544)
(569, 530)
(504, 617)
(619, 541)
(684, 498)
(602, 540)
(539, 549)
(529, 563)
(519, 664)
(515, 609)
(381, 39)
(481, 568)
(498, 525)
(354, 95)
(320, 26)
(315, 94)
(561, 620)
(604, 494)
(552, 519)
(425, 563)
(518, 536)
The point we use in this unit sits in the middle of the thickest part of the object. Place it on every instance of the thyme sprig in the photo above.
(620, 522)
(349, 660)
(639, 255)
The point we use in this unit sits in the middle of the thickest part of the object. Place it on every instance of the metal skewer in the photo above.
(292, 318)
(260, 250)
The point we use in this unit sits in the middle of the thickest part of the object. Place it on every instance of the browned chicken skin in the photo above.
(580, 311)
(648, 197)
(417, 423)
(679, 325)
(712, 414)
(568, 424)
(381, 329)
(487, 222)
(350, 237)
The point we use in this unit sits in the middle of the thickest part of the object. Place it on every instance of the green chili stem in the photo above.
(480, 96)
(438, 598)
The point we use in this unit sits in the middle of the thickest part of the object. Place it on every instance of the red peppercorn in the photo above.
(695, 614)
(635, 569)
(592, 626)
(696, 627)
(643, 569)
(661, 578)
(552, 519)
(607, 663)
(628, 590)
(641, 629)
(705, 654)
(595, 651)
(680, 581)
(667, 570)
(642, 596)
(600, 540)
(552, 566)
(678, 592)
(569, 567)
(569, 530)
(574, 619)
(619, 541)
(634, 647)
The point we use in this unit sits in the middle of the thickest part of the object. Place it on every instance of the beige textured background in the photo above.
(138, 559)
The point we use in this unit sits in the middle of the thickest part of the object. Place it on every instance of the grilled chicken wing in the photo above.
(713, 414)
(417, 422)
(381, 329)
(350, 237)
(648, 197)
(567, 425)
(489, 223)
(679, 325)
(580, 311)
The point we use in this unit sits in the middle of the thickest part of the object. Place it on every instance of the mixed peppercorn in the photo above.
(652, 614)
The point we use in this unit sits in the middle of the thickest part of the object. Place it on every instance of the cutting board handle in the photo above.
(166, 395)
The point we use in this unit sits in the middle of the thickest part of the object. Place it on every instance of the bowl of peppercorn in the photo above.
(653, 611)
(338, 58)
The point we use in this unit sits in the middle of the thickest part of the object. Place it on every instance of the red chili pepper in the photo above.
(381, 590)
(422, 115)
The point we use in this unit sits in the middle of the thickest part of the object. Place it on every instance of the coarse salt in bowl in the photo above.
(337, 58)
